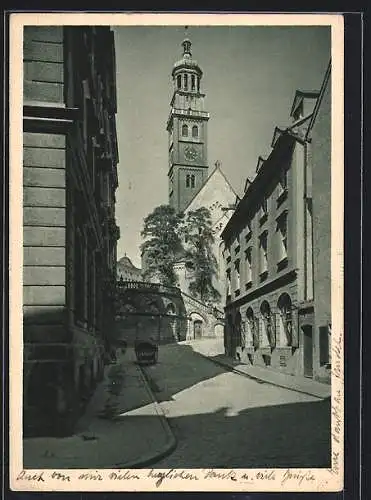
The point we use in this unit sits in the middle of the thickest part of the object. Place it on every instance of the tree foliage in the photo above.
(170, 236)
(196, 230)
(162, 244)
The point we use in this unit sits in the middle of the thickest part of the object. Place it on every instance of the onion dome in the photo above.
(187, 62)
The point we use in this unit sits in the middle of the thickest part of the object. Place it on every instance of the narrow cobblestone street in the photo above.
(222, 419)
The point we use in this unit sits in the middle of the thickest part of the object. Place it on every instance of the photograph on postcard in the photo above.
(177, 293)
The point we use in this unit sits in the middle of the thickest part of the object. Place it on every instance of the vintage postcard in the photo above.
(176, 259)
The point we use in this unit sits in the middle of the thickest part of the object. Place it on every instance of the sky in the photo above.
(250, 77)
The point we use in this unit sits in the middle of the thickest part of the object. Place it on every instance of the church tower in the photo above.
(187, 128)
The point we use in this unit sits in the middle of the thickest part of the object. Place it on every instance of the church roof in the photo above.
(216, 169)
(126, 262)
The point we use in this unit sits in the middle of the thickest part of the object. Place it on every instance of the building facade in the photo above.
(277, 249)
(70, 234)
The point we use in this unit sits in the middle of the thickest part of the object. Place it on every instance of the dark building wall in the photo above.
(70, 234)
(43, 64)
(44, 190)
(321, 162)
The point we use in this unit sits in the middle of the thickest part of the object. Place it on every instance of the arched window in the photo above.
(185, 130)
(194, 131)
(267, 327)
(250, 330)
(193, 82)
(179, 81)
(198, 84)
(192, 181)
(185, 82)
(285, 320)
(188, 177)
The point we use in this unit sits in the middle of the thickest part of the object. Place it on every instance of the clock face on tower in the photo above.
(191, 153)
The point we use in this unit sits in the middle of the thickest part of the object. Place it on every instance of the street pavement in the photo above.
(222, 419)
(123, 426)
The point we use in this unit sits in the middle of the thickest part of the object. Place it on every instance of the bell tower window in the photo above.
(185, 82)
(179, 81)
(185, 130)
(194, 131)
(193, 82)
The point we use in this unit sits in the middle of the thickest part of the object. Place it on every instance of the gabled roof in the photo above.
(216, 169)
(261, 160)
(300, 95)
(276, 134)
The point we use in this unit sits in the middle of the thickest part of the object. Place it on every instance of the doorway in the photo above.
(308, 350)
(197, 329)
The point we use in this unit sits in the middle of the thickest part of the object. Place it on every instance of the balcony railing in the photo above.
(186, 112)
(144, 286)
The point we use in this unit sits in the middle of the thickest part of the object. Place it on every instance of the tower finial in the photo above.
(186, 43)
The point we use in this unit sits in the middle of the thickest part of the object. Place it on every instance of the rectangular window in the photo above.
(263, 249)
(228, 276)
(248, 231)
(237, 275)
(193, 82)
(248, 262)
(188, 180)
(263, 210)
(282, 237)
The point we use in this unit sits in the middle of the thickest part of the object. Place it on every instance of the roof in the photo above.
(254, 190)
(217, 168)
(187, 61)
(300, 95)
(126, 262)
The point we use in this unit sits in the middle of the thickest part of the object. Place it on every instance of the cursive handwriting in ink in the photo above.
(123, 476)
(170, 474)
(269, 475)
(60, 476)
(91, 476)
(31, 476)
(212, 474)
(299, 477)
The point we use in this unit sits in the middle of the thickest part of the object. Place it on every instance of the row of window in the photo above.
(281, 232)
(282, 189)
(188, 83)
(185, 131)
(269, 329)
